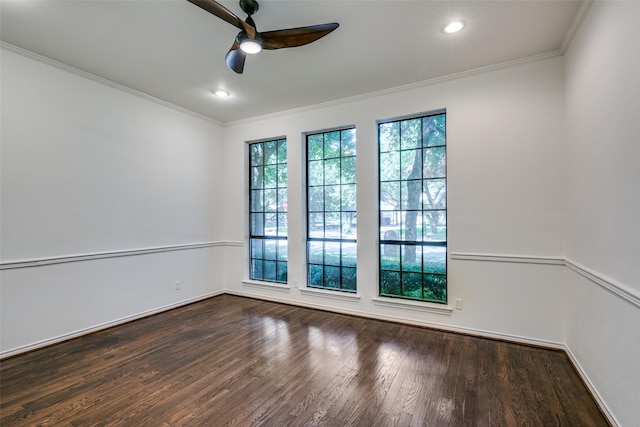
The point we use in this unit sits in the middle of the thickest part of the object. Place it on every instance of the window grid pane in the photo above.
(331, 206)
(268, 211)
(413, 208)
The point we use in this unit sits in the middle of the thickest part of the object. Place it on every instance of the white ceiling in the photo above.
(174, 51)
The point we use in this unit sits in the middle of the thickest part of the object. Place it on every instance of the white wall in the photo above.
(505, 129)
(603, 203)
(543, 203)
(90, 171)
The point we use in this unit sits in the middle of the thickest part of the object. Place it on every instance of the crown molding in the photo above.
(106, 82)
(400, 89)
(577, 21)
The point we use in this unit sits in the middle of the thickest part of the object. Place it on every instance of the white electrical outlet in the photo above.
(458, 303)
(177, 285)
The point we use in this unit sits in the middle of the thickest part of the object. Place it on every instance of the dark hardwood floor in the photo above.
(231, 361)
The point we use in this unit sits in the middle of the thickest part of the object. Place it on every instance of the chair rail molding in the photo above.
(607, 283)
(519, 259)
(63, 259)
(611, 285)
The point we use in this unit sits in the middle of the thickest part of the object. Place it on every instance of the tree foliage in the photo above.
(412, 174)
(331, 205)
(331, 179)
(413, 206)
(268, 210)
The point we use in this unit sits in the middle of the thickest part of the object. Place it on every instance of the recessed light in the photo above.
(220, 93)
(453, 27)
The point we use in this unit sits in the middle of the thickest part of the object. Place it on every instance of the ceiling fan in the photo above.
(250, 41)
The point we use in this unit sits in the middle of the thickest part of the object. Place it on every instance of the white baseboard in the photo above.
(457, 329)
(592, 389)
(397, 319)
(106, 325)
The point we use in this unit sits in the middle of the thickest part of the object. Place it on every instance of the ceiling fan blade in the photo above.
(223, 13)
(294, 37)
(235, 58)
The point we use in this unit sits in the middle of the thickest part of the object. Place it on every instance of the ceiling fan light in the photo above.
(250, 46)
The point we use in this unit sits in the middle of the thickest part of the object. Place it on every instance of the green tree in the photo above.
(412, 171)
(331, 179)
(433, 133)
(268, 182)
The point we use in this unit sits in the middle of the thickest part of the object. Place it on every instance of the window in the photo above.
(331, 210)
(268, 211)
(413, 208)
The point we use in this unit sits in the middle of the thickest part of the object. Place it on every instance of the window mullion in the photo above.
(331, 153)
(420, 201)
(267, 254)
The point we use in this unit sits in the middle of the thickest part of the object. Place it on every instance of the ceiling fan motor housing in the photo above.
(249, 6)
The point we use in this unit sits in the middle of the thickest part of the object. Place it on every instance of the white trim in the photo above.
(405, 321)
(266, 285)
(332, 309)
(611, 285)
(605, 282)
(520, 259)
(594, 392)
(106, 325)
(504, 337)
(106, 82)
(234, 243)
(62, 259)
(322, 293)
(413, 305)
(398, 89)
(583, 10)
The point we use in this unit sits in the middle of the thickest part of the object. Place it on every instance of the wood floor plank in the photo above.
(231, 361)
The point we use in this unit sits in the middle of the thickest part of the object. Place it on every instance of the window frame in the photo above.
(401, 242)
(341, 240)
(280, 260)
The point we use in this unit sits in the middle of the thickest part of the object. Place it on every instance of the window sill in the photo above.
(427, 307)
(330, 294)
(266, 285)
